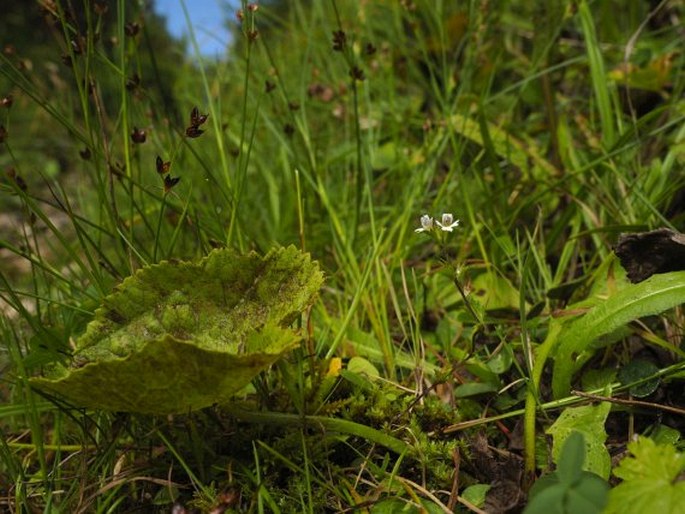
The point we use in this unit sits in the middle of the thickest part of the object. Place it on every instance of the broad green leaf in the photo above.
(569, 489)
(597, 378)
(650, 460)
(637, 370)
(649, 480)
(386, 156)
(589, 421)
(549, 499)
(502, 361)
(482, 371)
(574, 344)
(587, 495)
(664, 434)
(523, 155)
(475, 494)
(179, 336)
(571, 458)
(489, 290)
(474, 389)
(362, 366)
(495, 292)
(399, 506)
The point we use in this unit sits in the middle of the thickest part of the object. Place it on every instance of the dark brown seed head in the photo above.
(7, 101)
(357, 73)
(100, 8)
(138, 135)
(116, 169)
(339, 40)
(85, 154)
(170, 182)
(49, 7)
(162, 167)
(194, 132)
(131, 29)
(269, 86)
(320, 92)
(77, 45)
(197, 119)
(133, 82)
(90, 86)
(16, 178)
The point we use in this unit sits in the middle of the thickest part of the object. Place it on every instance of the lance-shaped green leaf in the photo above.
(574, 346)
(178, 336)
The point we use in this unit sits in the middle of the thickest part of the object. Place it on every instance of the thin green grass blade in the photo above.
(342, 426)
(598, 75)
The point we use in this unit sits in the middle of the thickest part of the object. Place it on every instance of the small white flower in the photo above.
(448, 222)
(426, 224)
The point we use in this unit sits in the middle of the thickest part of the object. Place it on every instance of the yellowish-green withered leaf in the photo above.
(179, 336)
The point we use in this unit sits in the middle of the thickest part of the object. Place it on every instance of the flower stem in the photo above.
(466, 300)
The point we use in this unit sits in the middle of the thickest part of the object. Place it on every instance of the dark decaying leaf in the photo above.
(503, 470)
(644, 254)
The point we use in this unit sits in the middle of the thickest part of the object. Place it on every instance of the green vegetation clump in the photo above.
(493, 192)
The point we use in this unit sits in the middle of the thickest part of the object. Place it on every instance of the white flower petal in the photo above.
(448, 222)
(426, 223)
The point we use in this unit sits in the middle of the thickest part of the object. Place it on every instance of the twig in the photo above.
(454, 493)
(635, 403)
